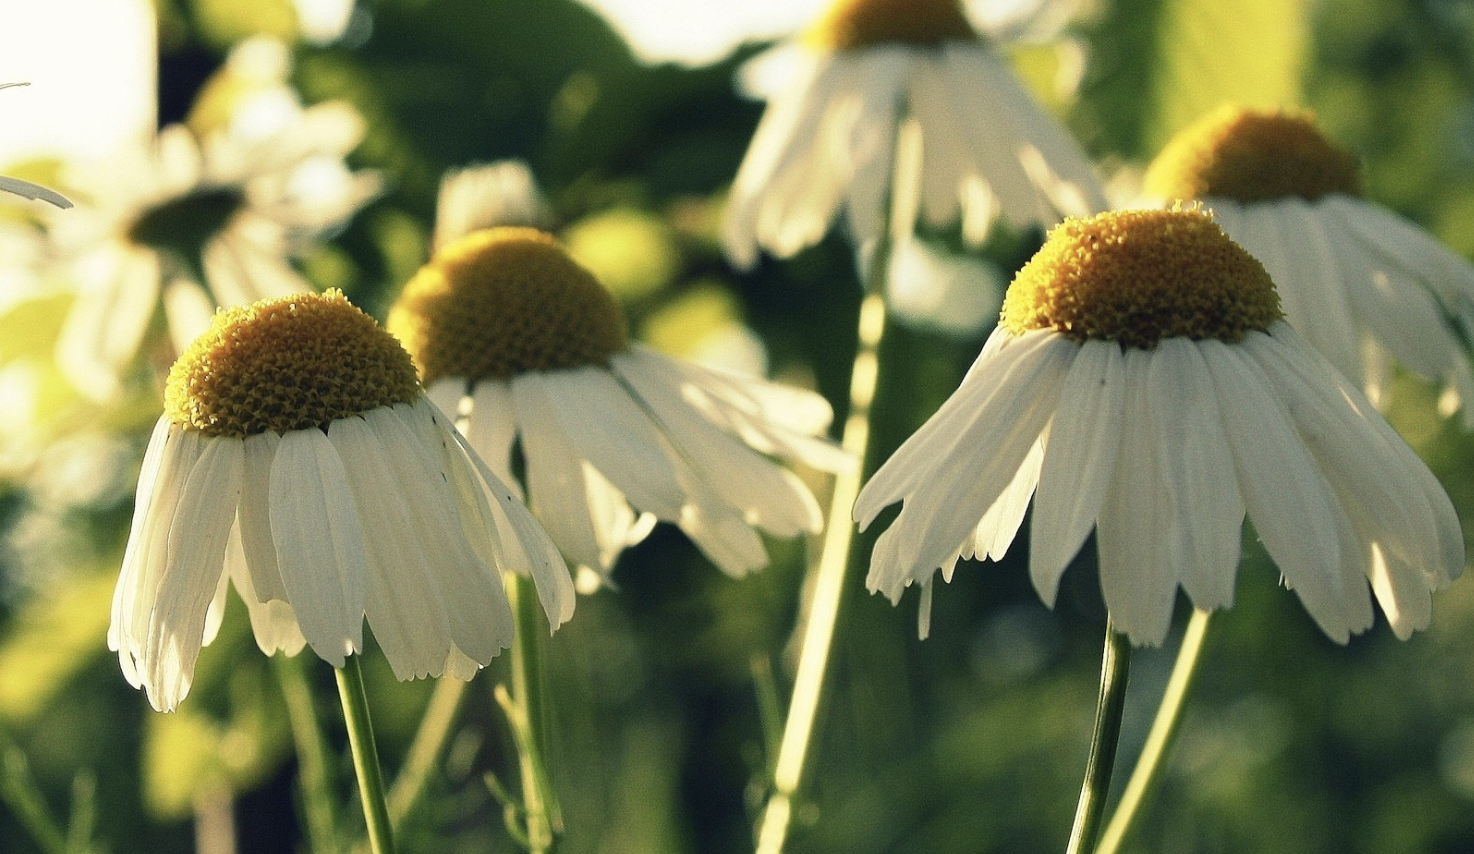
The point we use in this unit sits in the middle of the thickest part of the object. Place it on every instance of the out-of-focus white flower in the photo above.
(195, 224)
(26, 189)
(870, 72)
(487, 196)
(928, 288)
(613, 435)
(1143, 381)
(299, 458)
(1362, 284)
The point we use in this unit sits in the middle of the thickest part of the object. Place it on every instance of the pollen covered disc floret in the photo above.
(851, 24)
(287, 364)
(1137, 277)
(1252, 156)
(504, 301)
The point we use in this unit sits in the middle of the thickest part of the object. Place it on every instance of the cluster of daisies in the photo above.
(1146, 380)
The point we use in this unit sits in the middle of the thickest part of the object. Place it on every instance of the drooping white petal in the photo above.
(492, 428)
(476, 605)
(172, 454)
(319, 543)
(448, 394)
(1293, 508)
(1079, 463)
(1138, 533)
(1196, 470)
(768, 496)
(720, 532)
(556, 485)
(523, 546)
(192, 570)
(1006, 362)
(611, 431)
(1380, 482)
(106, 324)
(254, 517)
(273, 623)
(990, 452)
(403, 597)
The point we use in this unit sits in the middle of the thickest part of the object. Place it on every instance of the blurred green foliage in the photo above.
(971, 741)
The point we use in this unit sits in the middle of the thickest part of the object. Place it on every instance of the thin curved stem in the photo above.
(527, 717)
(831, 577)
(1147, 774)
(1115, 664)
(365, 756)
(424, 752)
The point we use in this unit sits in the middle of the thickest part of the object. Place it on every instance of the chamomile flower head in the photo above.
(1364, 286)
(299, 458)
(195, 222)
(613, 436)
(866, 75)
(26, 189)
(1143, 384)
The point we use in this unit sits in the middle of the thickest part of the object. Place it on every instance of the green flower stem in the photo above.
(1115, 663)
(20, 793)
(365, 756)
(316, 786)
(436, 726)
(1147, 774)
(830, 580)
(529, 721)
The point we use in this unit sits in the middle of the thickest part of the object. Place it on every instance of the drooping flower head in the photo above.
(298, 456)
(1142, 383)
(613, 436)
(1364, 286)
(868, 73)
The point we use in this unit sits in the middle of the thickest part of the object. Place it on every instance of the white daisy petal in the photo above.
(273, 623)
(319, 544)
(492, 428)
(1196, 469)
(254, 519)
(1139, 535)
(448, 393)
(191, 577)
(607, 428)
(1286, 496)
(556, 487)
(1079, 461)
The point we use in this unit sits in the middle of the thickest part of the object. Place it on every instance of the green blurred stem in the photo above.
(365, 756)
(21, 794)
(1146, 776)
(831, 579)
(312, 767)
(1115, 664)
(425, 751)
(527, 715)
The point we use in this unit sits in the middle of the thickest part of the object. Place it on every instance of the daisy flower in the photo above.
(612, 435)
(198, 223)
(1362, 284)
(299, 458)
(829, 137)
(1142, 378)
(26, 189)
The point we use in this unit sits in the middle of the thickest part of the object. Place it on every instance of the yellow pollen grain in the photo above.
(1136, 277)
(851, 24)
(1252, 156)
(504, 301)
(287, 364)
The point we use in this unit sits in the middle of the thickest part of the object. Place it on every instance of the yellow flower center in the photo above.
(287, 364)
(1137, 277)
(504, 301)
(1251, 156)
(851, 24)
